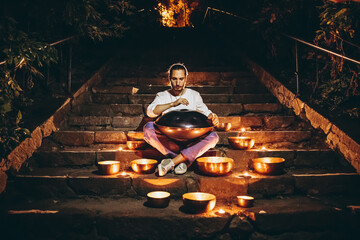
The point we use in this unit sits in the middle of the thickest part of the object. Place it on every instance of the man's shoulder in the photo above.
(192, 91)
(163, 93)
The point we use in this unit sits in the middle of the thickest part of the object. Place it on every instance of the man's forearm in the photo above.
(162, 107)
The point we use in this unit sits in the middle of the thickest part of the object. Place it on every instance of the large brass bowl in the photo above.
(183, 134)
(197, 202)
(215, 166)
(144, 165)
(268, 165)
(108, 167)
(241, 142)
(183, 125)
(158, 199)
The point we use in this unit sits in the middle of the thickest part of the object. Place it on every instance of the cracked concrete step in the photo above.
(110, 218)
(63, 182)
(120, 98)
(85, 138)
(137, 122)
(88, 156)
(221, 109)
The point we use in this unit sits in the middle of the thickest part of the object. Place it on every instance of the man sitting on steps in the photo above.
(179, 156)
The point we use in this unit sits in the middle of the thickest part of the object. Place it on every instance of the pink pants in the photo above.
(171, 148)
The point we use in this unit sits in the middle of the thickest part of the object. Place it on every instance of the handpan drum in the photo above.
(184, 125)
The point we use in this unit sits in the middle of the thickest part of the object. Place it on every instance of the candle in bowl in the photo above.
(158, 199)
(108, 167)
(242, 143)
(245, 201)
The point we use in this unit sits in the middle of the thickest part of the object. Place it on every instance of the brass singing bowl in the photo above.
(108, 167)
(134, 136)
(143, 165)
(197, 202)
(241, 142)
(268, 165)
(215, 166)
(224, 126)
(135, 145)
(158, 199)
(183, 134)
(245, 201)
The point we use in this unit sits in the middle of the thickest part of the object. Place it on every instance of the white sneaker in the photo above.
(165, 166)
(180, 169)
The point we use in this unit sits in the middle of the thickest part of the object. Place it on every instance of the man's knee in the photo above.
(214, 137)
(148, 127)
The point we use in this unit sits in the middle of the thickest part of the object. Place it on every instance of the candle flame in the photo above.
(246, 174)
(221, 211)
(263, 148)
(120, 148)
(123, 173)
(243, 129)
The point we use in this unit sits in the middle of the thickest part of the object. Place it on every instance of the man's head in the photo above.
(177, 76)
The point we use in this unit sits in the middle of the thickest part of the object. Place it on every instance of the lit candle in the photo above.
(263, 148)
(221, 211)
(120, 148)
(243, 129)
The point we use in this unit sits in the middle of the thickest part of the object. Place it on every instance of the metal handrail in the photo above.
(51, 44)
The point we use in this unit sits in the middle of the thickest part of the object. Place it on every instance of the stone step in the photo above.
(76, 157)
(131, 88)
(194, 78)
(109, 218)
(221, 109)
(86, 138)
(110, 98)
(65, 183)
(137, 122)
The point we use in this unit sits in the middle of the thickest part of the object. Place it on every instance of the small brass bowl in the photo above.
(134, 136)
(241, 142)
(245, 201)
(215, 166)
(135, 145)
(197, 202)
(268, 165)
(158, 199)
(144, 165)
(108, 167)
(224, 126)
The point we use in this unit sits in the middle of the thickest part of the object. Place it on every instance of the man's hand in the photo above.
(180, 101)
(214, 118)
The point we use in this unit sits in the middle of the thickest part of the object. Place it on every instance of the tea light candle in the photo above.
(245, 201)
(124, 174)
(221, 211)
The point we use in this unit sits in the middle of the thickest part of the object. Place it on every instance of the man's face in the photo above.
(178, 79)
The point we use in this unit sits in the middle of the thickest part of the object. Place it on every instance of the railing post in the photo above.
(297, 69)
(70, 68)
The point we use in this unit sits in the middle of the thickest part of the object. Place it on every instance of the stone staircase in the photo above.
(316, 197)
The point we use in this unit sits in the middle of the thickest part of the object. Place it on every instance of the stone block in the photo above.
(115, 89)
(141, 99)
(262, 107)
(317, 120)
(215, 98)
(274, 122)
(126, 122)
(110, 137)
(153, 81)
(17, 157)
(65, 158)
(251, 98)
(203, 78)
(47, 127)
(104, 98)
(75, 138)
(93, 110)
(126, 156)
(97, 185)
(330, 183)
(237, 122)
(223, 187)
(89, 120)
(123, 80)
(269, 186)
(278, 136)
(324, 158)
(36, 135)
(226, 109)
(3, 179)
(127, 109)
(143, 184)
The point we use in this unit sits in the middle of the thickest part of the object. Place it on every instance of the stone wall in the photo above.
(26, 148)
(336, 138)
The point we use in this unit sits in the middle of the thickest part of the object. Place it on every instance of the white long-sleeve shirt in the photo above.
(193, 97)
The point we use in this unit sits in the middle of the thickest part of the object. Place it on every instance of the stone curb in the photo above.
(336, 138)
(27, 147)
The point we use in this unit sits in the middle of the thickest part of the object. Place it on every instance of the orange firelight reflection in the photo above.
(176, 13)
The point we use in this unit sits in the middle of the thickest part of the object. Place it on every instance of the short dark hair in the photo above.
(177, 66)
